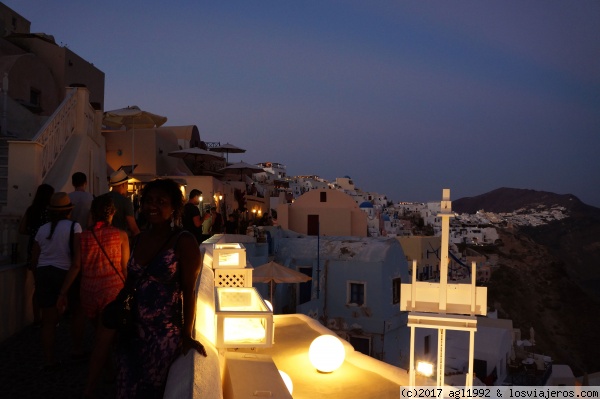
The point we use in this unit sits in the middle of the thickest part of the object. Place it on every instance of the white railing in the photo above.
(55, 133)
(30, 161)
(74, 115)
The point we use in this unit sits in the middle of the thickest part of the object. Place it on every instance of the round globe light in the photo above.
(326, 353)
(287, 381)
(269, 305)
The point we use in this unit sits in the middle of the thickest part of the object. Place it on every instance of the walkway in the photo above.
(21, 376)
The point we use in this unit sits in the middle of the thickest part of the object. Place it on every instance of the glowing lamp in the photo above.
(425, 368)
(287, 381)
(326, 353)
(243, 319)
(233, 254)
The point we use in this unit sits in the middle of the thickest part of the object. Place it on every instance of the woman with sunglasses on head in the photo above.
(56, 254)
(163, 269)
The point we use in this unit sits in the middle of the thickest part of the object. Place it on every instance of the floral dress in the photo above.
(145, 357)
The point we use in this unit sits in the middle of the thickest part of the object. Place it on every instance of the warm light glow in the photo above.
(425, 368)
(269, 304)
(220, 197)
(231, 259)
(287, 381)
(326, 353)
(243, 319)
(229, 246)
(229, 255)
(244, 330)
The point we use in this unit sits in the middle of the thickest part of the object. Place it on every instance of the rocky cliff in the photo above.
(548, 276)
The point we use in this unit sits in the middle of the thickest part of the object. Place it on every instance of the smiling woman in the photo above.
(163, 268)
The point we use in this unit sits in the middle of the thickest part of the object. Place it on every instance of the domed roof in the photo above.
(366, 204)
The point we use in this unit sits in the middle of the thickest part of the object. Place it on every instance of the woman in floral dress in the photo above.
(163, 268)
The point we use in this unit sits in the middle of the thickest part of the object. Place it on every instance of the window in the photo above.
(426, 344)
(356, 293)
(323, 196)
(305, 289)
(34, 96)
(361, 344)
(396, 284)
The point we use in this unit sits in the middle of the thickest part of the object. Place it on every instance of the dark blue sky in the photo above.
(406, 97)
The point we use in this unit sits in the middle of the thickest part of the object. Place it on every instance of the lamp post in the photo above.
(223, 207)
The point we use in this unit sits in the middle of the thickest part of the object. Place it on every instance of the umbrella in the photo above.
(198, 154)
(228, 149)
(243, 168)
(132, 117)
(273, 272)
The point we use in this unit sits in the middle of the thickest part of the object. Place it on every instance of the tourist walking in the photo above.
(191, 219)
(163, 269)
(35, 216)
(206, 226)
(217, 221)
(81, 200)
(124, 218)
(231, 224)
(104, 256)
(55, 251)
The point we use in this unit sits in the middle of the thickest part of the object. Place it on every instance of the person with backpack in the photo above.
(35, 216)
(56, 250)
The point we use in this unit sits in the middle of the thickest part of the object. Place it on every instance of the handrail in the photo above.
(57, 131)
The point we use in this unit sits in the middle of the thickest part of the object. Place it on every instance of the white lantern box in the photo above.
(243, 318)
(230, 265)
(229, 255)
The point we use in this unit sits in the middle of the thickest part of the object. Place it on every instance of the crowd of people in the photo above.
(201, 225)
(87, 251)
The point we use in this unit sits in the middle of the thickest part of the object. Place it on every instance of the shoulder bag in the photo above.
(118, 315)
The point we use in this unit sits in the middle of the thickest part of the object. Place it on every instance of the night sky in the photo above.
(405, 97)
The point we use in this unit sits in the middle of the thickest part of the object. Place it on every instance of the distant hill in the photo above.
(549, 275)
(575, 240)
(512, 199)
